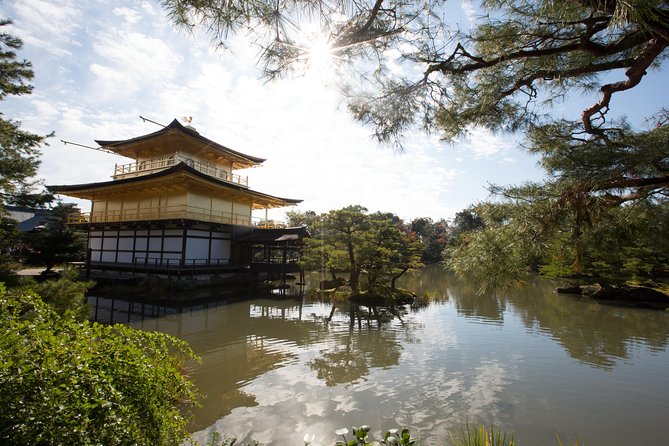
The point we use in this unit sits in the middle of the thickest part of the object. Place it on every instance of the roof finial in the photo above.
(188, 120)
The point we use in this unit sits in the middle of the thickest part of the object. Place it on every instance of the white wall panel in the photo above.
(172, 244)
(220, 249)
(154, 243)
(109, 242)
(140, 244)
(124, 257)
(108, 256)
(125, 244)
(197, 248)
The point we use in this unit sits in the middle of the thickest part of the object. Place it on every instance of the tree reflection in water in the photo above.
(369, 342)
(273, 367)
(594, 333)
(591, 332)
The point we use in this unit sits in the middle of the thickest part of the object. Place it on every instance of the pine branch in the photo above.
(634, 75)
(628, 183)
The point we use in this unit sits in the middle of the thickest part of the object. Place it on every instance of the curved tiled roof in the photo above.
(181, 167)
(189, 131)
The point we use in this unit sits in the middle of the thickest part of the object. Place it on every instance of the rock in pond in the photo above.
(634, 296)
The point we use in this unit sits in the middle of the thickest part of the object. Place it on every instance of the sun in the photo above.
(319, 53)
(319, 56)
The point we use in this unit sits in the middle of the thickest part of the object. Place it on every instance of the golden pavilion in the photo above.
(179, 206)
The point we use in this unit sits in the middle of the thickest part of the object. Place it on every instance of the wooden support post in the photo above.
(184, 239)
(284, 260)
(89, 255)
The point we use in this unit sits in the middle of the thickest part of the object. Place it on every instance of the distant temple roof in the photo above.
(32, 223)
(28, 218)
(86, 191)
(129, 147)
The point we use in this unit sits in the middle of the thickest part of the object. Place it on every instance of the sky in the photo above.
(101, 64)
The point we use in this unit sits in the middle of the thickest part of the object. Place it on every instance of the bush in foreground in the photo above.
(64, 293)
(70, 382)
(468, 435)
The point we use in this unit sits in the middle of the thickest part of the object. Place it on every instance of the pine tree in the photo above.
(519, 59)
(19, 149)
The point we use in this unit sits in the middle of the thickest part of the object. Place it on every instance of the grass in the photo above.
(469, 435)
(481, 436)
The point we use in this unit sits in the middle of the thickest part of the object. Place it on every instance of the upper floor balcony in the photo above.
(172, 212)
(156, 164)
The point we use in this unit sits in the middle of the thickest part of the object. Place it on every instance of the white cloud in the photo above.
(110, 77)
(44, 110)
(48, 46)
(61, 15)
(140, 56)
(485, 144)
(469, 9)
(129, 15)
(48, 25)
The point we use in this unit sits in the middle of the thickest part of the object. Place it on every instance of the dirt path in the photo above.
(34, 271)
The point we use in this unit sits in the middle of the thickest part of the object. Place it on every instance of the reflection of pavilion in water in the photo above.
(236, 345)
(159, 303)
(242, 341)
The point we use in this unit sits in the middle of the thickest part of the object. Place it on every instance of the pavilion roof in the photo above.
(130, 147)
(166, 178)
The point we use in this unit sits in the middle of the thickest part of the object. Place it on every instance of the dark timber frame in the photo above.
(274, 253)
(162, 247)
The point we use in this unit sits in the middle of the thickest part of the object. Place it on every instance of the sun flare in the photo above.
(319, 56)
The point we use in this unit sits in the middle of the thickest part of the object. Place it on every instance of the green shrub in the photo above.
(8, 269)
(65, 293)
(70, 382)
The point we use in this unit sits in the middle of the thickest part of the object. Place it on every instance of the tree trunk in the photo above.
(392, 281)
(355, 270)
(578, 249)
(353, 279)
(332, 311)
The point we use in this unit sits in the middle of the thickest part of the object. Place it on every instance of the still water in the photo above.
(528, 360)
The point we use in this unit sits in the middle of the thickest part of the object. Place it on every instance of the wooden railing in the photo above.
(156, 164)
(267, 224)
(79, 217)
(177, 263)
(171, 212)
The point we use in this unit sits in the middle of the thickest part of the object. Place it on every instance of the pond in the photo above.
(528, 361)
